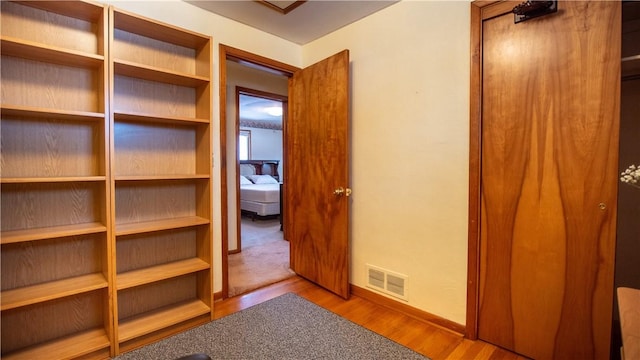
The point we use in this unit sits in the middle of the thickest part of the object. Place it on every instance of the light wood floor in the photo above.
(430, 340)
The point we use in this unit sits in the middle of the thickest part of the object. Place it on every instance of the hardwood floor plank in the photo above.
(466, 349)
(423, 337)
(501, 354)
(439, 344)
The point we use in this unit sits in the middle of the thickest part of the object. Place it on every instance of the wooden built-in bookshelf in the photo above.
(161, 177)
(106, 180)
(55, 194)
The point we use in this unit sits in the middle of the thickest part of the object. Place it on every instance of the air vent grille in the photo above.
(387, 282)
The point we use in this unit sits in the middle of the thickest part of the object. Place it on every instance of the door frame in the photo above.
(480, 10)
(225, 53)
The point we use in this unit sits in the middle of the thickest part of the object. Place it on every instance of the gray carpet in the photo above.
(287, 327)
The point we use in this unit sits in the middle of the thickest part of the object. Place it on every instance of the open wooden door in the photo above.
(316, 173)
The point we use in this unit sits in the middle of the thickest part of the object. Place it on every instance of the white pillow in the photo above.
(244, 181)
(262, 179)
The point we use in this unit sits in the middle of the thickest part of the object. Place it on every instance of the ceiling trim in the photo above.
(285, 10)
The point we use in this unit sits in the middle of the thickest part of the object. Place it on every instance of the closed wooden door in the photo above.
(550, 122)
(316, 164)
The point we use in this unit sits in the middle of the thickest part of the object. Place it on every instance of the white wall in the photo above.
(410, 91)
(266, 144)
(410, 145)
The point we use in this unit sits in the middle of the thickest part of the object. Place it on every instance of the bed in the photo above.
(260, 187)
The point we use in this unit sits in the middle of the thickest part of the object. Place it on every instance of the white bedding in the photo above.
(265, 193)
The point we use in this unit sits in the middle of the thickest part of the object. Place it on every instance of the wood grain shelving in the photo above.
(150, 28)
(134, 117)
(106, 165)
(51, 232)
(52, 290)
(69, 347)
(160, 272)
(159, 225)
(34, 180)
(49, 113)
(82, 10)
(162, 177)
(159, 319)
(140, 71)
(161, 126)
(55, 191)
(40, 52)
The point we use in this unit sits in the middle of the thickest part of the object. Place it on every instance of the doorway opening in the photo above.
(261, 254)
(261, 79)
(319, 122)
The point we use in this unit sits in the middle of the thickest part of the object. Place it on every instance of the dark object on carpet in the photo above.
(195, 357)
(287, 327)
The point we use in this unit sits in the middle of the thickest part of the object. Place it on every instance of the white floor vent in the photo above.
(387, 282)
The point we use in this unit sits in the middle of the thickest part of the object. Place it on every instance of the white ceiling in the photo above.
(308, 21)
(305, 23)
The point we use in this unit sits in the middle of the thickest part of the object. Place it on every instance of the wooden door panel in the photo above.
(550, 113)
(317, 164)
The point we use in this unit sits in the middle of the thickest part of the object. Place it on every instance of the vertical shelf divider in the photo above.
(160, 146)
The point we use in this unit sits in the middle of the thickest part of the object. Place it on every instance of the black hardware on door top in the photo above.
(533, 9)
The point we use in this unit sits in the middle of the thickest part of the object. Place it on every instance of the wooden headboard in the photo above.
(260, 167)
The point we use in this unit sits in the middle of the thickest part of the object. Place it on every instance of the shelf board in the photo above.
(69, 347)
(140, 71)
(160, 272)
(16, 236)
(51, 54)
(631, 66)
(60, 179)
(156, 320)
(47, 113)
(156, 30)
(137, 117)
(158, 225)
(34, 294)
(161, 177)
(82, 10)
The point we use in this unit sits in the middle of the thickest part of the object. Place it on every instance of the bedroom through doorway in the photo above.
(257, 255)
